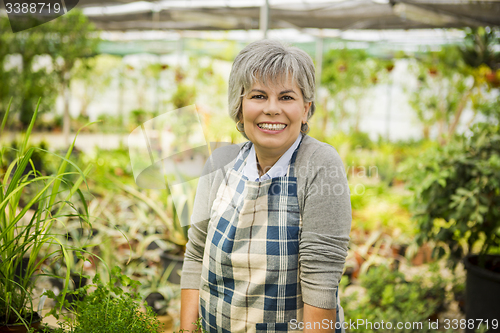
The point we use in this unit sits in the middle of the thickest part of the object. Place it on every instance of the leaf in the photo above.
(5, 116)
(463, 191)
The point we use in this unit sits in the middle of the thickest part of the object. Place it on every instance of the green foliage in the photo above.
(199, 328)
(108, 163)
(44, 163)
(343, 69)
(26, 82)
(132, 219)
(26, 224)
(445, 84)
(456, 196)
(454, 78)
(183, 96)
(109, 307)
(66, 39)
(4, 88)
(161, 205)
(381, 208)
(479, 47)
(347, 73)
(95, 74)
(391, 297)
(364, 158)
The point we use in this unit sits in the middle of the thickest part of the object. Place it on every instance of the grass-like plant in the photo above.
(30, 205)
(114, 306)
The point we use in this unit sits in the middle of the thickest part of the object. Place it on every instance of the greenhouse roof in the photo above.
(297, 14)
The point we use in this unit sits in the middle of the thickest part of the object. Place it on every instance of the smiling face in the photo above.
(272, 117)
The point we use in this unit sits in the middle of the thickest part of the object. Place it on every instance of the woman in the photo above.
(271, 220)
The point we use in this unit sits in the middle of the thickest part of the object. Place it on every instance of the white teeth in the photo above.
(273, 127)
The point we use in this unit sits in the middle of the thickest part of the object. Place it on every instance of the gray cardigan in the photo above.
(325, 206)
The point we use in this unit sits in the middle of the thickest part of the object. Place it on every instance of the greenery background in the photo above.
(419, 205)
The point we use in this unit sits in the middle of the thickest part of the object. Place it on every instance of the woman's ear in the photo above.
(307, 107)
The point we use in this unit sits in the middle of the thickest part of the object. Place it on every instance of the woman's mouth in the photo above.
(271, 127)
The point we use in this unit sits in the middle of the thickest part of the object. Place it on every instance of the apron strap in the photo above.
(291, 166)
(245, 150)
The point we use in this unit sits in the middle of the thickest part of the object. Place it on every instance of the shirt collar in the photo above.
(279, 169)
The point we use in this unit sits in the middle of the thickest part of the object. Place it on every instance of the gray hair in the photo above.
(270, 62)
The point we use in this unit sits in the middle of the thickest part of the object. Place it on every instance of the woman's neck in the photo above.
(266, 159)
(265, 163)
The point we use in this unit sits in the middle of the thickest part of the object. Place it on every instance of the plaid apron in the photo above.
(250, 276)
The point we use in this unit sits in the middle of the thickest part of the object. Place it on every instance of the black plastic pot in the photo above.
(482, 291)
(78, 282)
(155, 301)
(168, 259)
(35, 320)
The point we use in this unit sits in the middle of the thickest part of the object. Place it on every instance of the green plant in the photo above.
(199, 328)
(65, 40)
(457, 195)
(162, 205)
(156, 288)
(480, 47)
(395, 299)
(347, 74)
(26, 224)
(110, 307)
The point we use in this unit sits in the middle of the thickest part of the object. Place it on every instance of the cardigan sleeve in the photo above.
(326, 224)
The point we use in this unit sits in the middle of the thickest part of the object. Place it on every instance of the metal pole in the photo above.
(319, 62)
(156, 17)
(157, 93)
(121, 76)
(264, 18)
(388, 114)
(180, 48)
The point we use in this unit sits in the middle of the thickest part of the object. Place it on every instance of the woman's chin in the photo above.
(273, 142)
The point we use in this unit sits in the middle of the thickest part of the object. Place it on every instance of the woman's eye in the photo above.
(287, 98)
(257, 97)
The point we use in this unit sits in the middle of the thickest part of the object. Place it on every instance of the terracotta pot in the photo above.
(424, 255)
(166, 323)
(493, 79)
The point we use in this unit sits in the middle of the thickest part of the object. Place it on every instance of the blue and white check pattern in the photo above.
(250, 275)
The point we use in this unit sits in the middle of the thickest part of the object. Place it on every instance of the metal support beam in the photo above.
(431, 16)
(319, 62)
(264, 18)
(388, 111)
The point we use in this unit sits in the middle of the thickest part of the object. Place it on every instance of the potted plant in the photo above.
(31, 203)
(161, 206)
(114, 306)
(456, 203)
(158, 292)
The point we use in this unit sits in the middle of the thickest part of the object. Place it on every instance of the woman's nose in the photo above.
(272, 107)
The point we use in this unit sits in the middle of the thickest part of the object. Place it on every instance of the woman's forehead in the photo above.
(276, 83)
